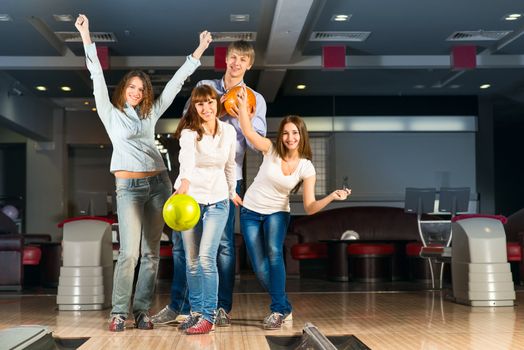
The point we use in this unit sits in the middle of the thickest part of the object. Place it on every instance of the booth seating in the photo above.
(312, 258)
(19, 253)
(371, 262)
(372, 223)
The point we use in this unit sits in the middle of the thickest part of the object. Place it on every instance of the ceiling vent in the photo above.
(98, 37)
(478, 35)
(339, 36)
(233, 36)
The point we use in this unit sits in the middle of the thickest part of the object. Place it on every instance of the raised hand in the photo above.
(205, 40)
(82, 25)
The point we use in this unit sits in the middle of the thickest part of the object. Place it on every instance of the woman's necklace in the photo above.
(289, 165)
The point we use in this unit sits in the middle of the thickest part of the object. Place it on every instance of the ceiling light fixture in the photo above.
(41, 88)
(239, 18)
(340, 18)
(65, 88)
(63, 18)
(4, 17)
(93, 109)
(301, 87)
(485, 86)
(512, 16)
(86, 103)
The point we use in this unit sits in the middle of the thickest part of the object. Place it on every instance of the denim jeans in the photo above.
(179, 292)
(201, 246)
(226, 261)
(264, 236)
(140, 224)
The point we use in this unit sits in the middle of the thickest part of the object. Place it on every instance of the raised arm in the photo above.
(260, 142)
(174, 85)
(311, 205)
(82, 25)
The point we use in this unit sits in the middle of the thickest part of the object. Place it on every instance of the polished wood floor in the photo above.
(381, 316)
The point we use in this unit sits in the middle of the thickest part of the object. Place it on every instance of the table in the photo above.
(337, 264)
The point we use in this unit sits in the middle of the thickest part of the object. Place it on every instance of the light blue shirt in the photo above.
(133, 139)
(258, 121)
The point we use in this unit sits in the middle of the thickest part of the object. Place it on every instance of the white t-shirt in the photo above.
(208, 164)
(270, 190)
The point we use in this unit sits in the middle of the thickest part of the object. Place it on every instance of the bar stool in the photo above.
(370, 262)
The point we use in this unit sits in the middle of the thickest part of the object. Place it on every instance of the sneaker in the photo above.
(143, 321)
(222, 318)
(287, 318)
(166, 316)
(203, 326)
(274, 321)
(190, 321)
(117, 323)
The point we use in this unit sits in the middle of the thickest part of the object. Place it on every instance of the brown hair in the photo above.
(244, 48)
(119, 95)
(304, 147)
(191, 120)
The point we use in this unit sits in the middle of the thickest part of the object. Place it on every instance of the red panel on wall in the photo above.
(334, 57)
(103, 56)
(220, 58)
(464, 57)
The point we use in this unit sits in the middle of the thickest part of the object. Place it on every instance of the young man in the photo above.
(239, 59)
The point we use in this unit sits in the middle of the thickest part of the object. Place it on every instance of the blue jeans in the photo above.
(264, 236)
(201, 246)
(140, 224)
(179, 292)
(225, 263)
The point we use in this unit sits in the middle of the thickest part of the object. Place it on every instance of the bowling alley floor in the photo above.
(403, 315)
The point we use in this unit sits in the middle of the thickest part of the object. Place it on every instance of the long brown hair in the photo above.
(191, 120)
(304, 148)
(119, 95)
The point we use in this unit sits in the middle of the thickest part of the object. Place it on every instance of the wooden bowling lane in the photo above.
(381, 320)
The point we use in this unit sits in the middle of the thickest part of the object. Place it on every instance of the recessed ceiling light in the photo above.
(4, 17)
(41, 88)
(65, 88)
(340, 18)
(93, 109)
(301, 87)
(86, 103)
(239, 18)
(485, 86)
(512, 16)
(63, 18)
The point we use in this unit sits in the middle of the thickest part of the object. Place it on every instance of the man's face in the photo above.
(237, 64)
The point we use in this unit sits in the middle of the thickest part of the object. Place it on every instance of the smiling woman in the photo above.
(142, 182)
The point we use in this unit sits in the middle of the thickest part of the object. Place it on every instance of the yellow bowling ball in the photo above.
(181, 212)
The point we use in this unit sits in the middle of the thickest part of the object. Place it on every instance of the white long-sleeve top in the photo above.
(208, 164)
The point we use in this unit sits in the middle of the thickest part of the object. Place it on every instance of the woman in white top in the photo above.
(207, 173)
(264, 217)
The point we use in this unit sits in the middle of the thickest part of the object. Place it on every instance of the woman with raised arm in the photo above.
(265, 215)
(142, 182)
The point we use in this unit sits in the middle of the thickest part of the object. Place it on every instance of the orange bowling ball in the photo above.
(230, 99)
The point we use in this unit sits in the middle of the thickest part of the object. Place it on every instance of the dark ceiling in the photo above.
(407, 51)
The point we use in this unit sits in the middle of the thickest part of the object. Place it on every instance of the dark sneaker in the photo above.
(203, 326)
(117, 323)
(222, 318)
(274, 321)
(143, 321)
(190, 321)
(166, 316)
(287, 318)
